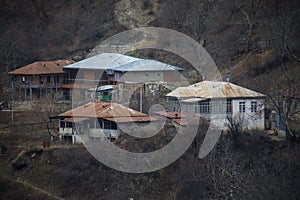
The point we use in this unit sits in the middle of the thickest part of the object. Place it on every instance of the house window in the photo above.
(107, 125)
(242, 107)
(48, 79)
(229, 106)
(69, 124)
(253, 106)
(64, 124)
(204, 106)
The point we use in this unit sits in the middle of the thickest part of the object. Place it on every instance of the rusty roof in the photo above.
(75, 119)
(42, 67)
(132, 119)
(213, 89)
(106, 110)
(181, 118)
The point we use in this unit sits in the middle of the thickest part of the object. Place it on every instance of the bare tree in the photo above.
(39, 7)
(284, 100)
(48, 106)
(285, 28)
(235, 125)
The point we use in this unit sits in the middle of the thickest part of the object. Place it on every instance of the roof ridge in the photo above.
(214, 89)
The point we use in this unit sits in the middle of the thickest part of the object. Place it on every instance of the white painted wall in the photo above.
(142, 77)
(218, 116)
(251, 120)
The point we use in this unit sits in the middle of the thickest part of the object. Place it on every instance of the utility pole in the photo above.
(12, 103)
(30, 90)
(141, 99)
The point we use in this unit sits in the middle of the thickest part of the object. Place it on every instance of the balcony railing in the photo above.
(66, 131)
(35, 86)
(86, 81)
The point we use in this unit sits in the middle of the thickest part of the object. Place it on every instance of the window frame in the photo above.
(242, 107)
(229, 106)
(253, 107)
(204, 106)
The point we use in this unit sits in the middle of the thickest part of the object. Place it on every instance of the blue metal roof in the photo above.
(123, 63)
(102, 61)
(145, 65)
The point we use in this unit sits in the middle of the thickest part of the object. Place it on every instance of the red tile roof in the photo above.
(43, 67)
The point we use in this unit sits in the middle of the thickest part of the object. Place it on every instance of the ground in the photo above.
(249, 166)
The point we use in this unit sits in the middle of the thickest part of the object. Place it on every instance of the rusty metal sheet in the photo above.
(103, 110)
(132, 119)
(181, 118)
(74, 119)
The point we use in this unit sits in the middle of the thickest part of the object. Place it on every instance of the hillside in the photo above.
(254, 43)
(231, 31)
(247, 167)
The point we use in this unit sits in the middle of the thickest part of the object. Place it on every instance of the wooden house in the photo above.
(32, 80)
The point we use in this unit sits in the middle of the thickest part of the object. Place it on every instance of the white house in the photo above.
(220, 102)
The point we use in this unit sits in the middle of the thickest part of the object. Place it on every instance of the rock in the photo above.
(20, 161)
